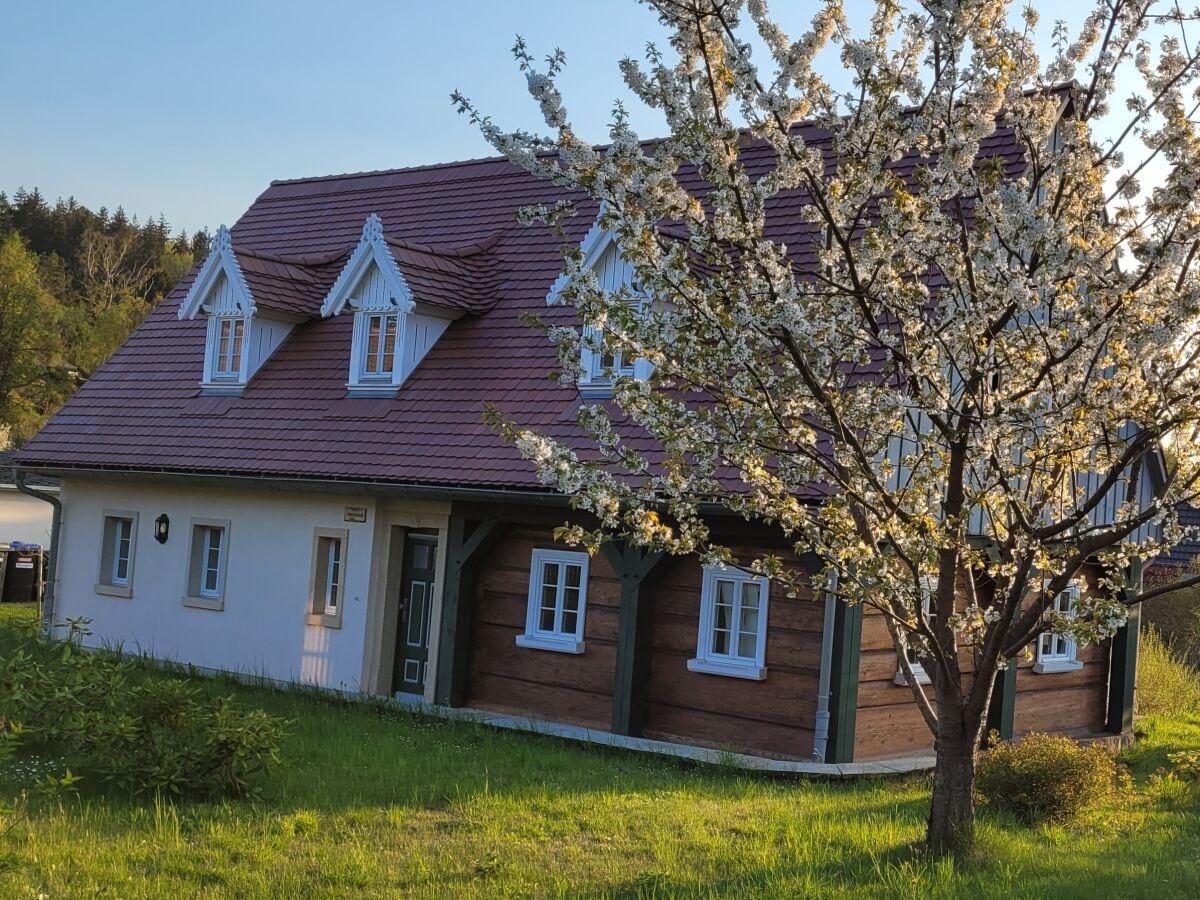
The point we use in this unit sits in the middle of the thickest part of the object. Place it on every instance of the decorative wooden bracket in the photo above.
(634, 631)
(464, 541)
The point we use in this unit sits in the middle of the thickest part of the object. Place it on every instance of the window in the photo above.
(379, 355)
(328, 577)
(1056, 652)
(928, 585)
(208, 564)
(601, 368)
(227, 361)
(116, 553)
(557, 600)
(733, 624)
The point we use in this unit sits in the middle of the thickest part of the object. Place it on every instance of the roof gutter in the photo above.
(52, 565)
(336, 485)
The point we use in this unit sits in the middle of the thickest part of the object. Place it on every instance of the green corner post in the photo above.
(843, 685)
(1122, 672)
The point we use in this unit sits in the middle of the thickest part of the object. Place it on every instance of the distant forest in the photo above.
(73, 283)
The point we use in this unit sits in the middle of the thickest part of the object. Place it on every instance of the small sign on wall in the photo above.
(355, 514)
(24, 564)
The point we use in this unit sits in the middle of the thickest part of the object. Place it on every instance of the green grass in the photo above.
(374, 802)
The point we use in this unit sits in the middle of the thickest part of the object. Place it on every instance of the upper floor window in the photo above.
(601, 367)
(1057, 652)
(227, 348)
(116, 554)
(557, 601)
(733, 624)
(377, 357)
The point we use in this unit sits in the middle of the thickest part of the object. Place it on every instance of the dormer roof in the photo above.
(460, 278)
(294, 286)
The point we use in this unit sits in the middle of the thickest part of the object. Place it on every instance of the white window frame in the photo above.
(595, 382)
(384, 382)
(556, 639)
(731, 664)
(1057, 652)
(928, 586)
(196, 593)
(226, 369)
(321, 587)
(109, 582)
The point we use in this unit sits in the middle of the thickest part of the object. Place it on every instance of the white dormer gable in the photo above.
(388, 289)
(392, 333)
(602, 254)
(239, 339)
(220, 288)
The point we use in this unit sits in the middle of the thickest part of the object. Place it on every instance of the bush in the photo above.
(1166, 685)
(142, 734)
(1045, 778)
(1176, 616)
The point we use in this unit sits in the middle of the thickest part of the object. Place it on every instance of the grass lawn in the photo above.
(374, 802)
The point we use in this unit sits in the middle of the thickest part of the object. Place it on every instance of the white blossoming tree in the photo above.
(969, 387)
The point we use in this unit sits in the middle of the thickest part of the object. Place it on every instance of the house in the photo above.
(286, 471)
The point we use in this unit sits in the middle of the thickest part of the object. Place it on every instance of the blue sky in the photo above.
(191, 109)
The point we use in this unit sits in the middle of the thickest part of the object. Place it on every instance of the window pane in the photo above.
(721, 642)
(236, 356)
(223, 347)
(748, 645)
(570, 622)
(389, 345)
(372, 361)
(574, 573)
(749, 621)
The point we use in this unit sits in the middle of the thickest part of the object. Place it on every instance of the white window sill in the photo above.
(123, 591)
(748, 671)
(1050, 666)
(542, 642)
(918, 673)
(221, 388)
(372, 390)
(214, 603)
(598, 390)
(324, 620)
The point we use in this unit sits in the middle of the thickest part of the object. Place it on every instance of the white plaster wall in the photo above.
(24, 518)
(261, 629)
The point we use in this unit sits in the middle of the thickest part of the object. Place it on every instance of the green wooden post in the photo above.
(843, 685)
(464, 540)
(1004, 702)
(633, 635)
(1122, 670)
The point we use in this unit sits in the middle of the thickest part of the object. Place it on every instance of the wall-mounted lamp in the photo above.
(162, 527)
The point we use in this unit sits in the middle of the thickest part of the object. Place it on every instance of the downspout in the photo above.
(821, 732)
(52, 566)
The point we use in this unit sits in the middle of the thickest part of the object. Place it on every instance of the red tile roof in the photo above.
(453, 232)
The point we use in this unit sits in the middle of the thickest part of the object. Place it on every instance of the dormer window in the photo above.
(377, 345)
(600, 365)
(227, 348)
(240, 337)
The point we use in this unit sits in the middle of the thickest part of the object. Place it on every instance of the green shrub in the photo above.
(141, 734)
(1045, 778)
(1166, 685)
(1176, 616)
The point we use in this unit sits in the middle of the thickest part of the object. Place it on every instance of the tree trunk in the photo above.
(951, 827)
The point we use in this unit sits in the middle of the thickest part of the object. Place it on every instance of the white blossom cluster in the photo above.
(976, 374)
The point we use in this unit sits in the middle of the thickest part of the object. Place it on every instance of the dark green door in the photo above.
(416, 598)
